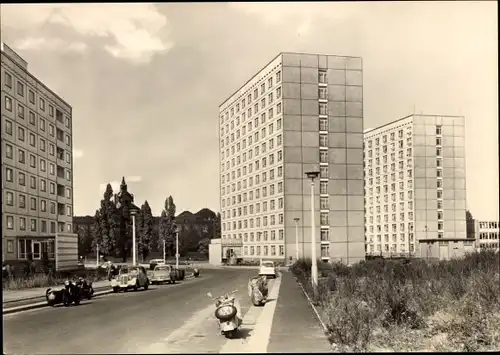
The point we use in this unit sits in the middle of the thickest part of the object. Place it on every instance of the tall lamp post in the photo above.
(296, 238)
(133, 212)
(176, 247)
(314, 267)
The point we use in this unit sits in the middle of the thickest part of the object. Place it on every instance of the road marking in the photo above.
(260, 330)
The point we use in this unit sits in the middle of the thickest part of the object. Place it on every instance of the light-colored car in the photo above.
(156, 261)
(163, 273)
(268, 269)
(133, 277)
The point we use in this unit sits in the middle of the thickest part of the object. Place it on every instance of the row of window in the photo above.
(270, 220)
(402, 237)
(32, 99)
(394, 227)
(267, 250)
(486, 235)
(409, 185)
(385, 149)
(490, 225)
(32, 118)
(21, 158)
(392, 137)
(235, 124)
(34, 248)
(393, 158)
(250, 195)
(21, 134)
(42, 186)
(224, 117)
(252, 139)
(393, 248)
(34, 227)
(409, 174)
(231, 164)
(264, 236)
(249, 210)
(34, 203)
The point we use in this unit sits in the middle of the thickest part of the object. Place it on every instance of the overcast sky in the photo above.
(145, 81)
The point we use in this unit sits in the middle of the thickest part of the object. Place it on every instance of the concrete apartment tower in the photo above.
(300, 113)
(415, 188)
(37, 164)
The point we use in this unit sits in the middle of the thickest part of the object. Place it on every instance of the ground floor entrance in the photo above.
(35, 248)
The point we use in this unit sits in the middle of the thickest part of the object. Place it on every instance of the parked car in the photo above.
(154, 262)
(133, 277)
(163, 273)
(267, 269)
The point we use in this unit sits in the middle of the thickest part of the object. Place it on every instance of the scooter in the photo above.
(258, 290)
(226, 311)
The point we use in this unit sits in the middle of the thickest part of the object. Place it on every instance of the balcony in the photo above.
(60, 209)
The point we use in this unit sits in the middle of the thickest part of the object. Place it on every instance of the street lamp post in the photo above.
(164, 252)
(133, 212)
(314, 267)
(176, 248)
(296, 238)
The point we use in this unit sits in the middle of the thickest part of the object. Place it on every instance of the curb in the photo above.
(316, 313)
(97, 289)
(43, 304)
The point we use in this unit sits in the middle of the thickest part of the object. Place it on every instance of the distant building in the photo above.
(488, 235)
(300, 113)
(415, 187)
(37, 164)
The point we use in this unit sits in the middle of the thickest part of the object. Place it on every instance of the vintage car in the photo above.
(163, 273)
(267, 269)
(133, 277)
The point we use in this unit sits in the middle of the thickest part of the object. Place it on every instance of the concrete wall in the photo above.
(215, 252)
(345, 157)
(453, 176)
(66, 251)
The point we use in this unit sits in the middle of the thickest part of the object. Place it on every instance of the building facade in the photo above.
(37, 163)
(300, 113)
(488, 236)
(415, 188)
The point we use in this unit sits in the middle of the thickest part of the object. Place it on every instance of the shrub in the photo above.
(403, 294)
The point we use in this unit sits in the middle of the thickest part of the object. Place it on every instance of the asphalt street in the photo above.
(164, 319)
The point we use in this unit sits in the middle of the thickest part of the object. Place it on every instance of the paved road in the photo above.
(165, 319)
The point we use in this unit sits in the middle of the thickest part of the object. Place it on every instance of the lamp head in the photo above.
(312, 174)
(296, 219)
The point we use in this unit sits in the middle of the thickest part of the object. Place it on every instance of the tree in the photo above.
(203, 246)
(163, 227)
(217, 227)
(171, 227)
(109, 227)
(96, 231)
(145, 230)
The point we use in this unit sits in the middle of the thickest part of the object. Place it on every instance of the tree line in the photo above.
(110, 229)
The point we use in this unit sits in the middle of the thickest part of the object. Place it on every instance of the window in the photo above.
(10, 222)
(438, 152)
(20, 134)
(32, 118)
(323, 156)
(43, 185)
(42, 104)
(323, 217)
(323, 140)
(42, 124)
(22, 158)
(22, 201)
(32, 140)
(42, 144)
(33, 203)
(43, 205)
(324, 205)
(20, 89)
(8, 127)
(22, 223)
(322, 77)
(8, 80)
(31, 96)
(33, 225)
(20, 111)
(22, 179)
(9, 175)
(278, 76)
(43, 166)
(8, 103)
(323, 124)
(9, 198)
(51, 111)
(8, 151)
(438, 130)
(32, 161)
(33, 182)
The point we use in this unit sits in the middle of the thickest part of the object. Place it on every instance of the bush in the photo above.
(51, 279)
(405, 294)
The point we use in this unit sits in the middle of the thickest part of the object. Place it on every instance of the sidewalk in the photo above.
(295, 327)
(18, 295)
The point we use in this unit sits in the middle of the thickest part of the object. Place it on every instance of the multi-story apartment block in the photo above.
(415, 187)
(488, 236)
(300, 113)
(37, 164)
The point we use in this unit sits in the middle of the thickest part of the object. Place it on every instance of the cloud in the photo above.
(116, 184)
(133, 28)
(52, 44)
(77, 153)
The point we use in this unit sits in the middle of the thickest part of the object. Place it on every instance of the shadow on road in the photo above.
(84, 303)
(243, 333)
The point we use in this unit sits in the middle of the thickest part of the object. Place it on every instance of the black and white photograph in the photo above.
(250, 177)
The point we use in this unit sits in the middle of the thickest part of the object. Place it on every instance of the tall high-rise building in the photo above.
(415, 187)
(37, 163)
(300, 113)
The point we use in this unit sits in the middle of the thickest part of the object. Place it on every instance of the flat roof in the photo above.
(402, 118)
(30, 74)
